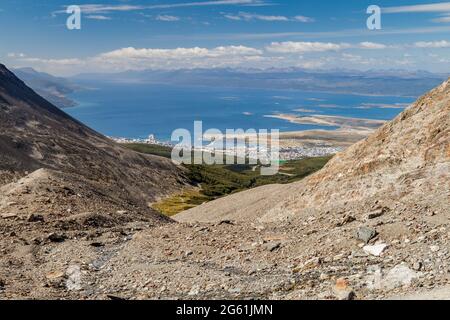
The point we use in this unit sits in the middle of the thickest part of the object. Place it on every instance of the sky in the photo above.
(120, 35)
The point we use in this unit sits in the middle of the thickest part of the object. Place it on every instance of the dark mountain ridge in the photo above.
(54, 89)
(37, 135)
(372, 82)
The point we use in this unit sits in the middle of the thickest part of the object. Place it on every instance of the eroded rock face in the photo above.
(406, 160)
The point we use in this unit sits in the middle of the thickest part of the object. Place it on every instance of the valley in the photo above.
(77, 219)
(215, 181)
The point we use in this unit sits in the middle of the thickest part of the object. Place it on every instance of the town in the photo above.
(284, 153)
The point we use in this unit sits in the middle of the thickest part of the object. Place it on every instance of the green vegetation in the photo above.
(150, 149)
(219, 180)
(188, 199)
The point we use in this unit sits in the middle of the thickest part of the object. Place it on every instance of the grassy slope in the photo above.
(219, 180)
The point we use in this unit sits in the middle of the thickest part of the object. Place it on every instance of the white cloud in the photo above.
(432, 7)
(237, 50)
(433, 44)
(232, 17)
(169, 59)
(443, 7)
(372, 45)
(303, 47)
(108, 8)
(73, 61)
(356, 59)
(16, 55)
(167, 18)
(274, 55)
(181, 53)
(178, 58)
(92, 9)
(97, 17)
(55, 64)
(304, 19)
(442, 19)
(252, 16)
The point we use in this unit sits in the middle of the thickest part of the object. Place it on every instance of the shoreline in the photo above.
(293, 145)
(338, 122)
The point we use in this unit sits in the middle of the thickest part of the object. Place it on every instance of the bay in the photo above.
(135, 110)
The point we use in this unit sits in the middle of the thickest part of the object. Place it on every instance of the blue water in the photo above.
(137, 110)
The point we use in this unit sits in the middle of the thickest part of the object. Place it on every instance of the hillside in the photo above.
(61, 182)
(38, 141)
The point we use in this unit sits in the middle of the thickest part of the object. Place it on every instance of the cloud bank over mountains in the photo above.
(301, 54)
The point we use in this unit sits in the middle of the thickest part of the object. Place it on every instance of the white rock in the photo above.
(73, 282)
(375, 250)
(374, 277)
(195, 290)
(400, 275)
(8, 215)
(434, 248)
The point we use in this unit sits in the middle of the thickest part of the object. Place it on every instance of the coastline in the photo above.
(339, 122)
(344, 132)
(305, 138)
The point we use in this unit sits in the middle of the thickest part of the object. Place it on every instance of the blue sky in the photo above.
(118, 35)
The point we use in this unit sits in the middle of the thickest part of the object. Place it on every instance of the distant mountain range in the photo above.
(373, 82)
(53, 89)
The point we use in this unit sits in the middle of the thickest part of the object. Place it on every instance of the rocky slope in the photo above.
(374, 224)
(60, 180)
(36, 135)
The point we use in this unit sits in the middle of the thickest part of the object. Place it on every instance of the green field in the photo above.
(216, 181)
